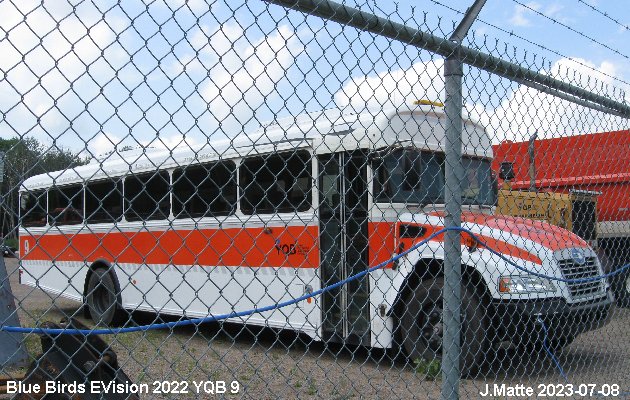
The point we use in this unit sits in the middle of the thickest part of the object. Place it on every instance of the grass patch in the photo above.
(430, 369)
(11, 242)
(33, 345)
(312, 389)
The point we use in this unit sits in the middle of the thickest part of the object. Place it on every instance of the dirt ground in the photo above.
(268, 364)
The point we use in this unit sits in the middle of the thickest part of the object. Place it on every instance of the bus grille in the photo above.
(572, 270)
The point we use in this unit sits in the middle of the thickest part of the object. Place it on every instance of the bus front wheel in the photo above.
(102, 298)
(422, 326)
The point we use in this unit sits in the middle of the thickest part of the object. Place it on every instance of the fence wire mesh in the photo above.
(169, 161)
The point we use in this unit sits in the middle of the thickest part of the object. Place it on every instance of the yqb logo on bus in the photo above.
(290, 248)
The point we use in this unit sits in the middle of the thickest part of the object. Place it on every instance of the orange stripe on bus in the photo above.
(382, 239)
(292, 246)
(498, 245)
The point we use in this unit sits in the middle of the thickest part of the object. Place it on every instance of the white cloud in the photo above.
(521, 13)
(104, 143)
(51, 96)
(423, 80)
(526, 111)
(206, 46)
(246, 75)
(554, 10)
(481, 31)
(45, 90)
(198, 7)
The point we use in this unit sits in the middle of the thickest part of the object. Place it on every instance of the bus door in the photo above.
(343, 219)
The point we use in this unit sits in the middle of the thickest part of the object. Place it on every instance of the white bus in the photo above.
(300, 204)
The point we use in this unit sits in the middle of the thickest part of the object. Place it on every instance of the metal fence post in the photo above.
(453, 73)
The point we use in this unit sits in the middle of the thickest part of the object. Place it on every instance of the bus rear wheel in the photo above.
(422, 328)
(102, 298)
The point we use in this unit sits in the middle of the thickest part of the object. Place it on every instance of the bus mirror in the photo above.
(506, 171)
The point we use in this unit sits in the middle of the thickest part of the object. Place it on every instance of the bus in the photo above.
(300, 204)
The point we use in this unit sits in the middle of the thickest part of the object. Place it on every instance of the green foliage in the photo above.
(23, 158)
(312, 389)
(11, 242)
(430, 369)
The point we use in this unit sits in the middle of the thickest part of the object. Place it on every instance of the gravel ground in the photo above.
(269, 364)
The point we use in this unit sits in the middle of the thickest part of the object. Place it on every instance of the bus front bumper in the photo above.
(561, 319)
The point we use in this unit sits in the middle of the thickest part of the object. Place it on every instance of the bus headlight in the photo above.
(525, 284)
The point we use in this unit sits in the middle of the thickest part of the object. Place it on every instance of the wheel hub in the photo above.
(102, 298)
(431, 327)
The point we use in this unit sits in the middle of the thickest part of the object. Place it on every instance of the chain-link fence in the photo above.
(305, 199)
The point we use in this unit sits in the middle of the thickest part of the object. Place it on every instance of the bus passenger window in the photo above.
(204, 190)
(147, 197)
(276, 183)
(103, 201)
(33, 208)
(65, 205)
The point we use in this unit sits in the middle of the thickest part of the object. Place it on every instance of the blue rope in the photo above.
(548, 350)
(256, 310)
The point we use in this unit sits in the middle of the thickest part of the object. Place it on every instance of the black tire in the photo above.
(421, 332)
(102, 298)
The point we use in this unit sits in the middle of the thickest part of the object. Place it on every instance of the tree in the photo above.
(24, 158)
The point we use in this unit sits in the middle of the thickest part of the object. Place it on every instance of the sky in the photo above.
(95, 76)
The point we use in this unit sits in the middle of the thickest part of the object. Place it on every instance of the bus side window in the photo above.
(276, 183)
(103, 201)
(65, 205)
(147, 196)
(204, 190)
(33, 208)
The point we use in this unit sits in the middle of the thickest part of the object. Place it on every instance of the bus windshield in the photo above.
(417, 177)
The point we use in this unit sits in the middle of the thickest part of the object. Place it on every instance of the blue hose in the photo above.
(548, 349)
(213, 318)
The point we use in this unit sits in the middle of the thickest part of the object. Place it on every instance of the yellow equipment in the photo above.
(575, 211)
